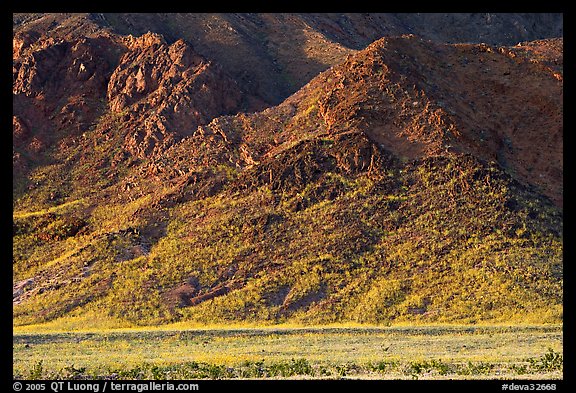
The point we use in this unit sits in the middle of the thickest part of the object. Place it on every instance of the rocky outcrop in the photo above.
(59, 85)
(158, 91)
(164, 92)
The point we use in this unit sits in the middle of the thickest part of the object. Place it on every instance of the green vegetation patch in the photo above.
(426, 352)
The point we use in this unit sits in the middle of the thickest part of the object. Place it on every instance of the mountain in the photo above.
(157, 179)
(271, 55)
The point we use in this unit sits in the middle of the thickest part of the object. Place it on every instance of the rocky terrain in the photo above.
(287, 167)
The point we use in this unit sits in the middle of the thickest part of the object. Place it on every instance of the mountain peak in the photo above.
(145, 40)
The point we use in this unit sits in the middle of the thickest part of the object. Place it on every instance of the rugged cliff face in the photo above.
(271, 55)
(409, 180)
(58, 87)
(166, 91)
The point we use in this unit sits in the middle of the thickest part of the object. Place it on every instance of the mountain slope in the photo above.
(414, 181)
